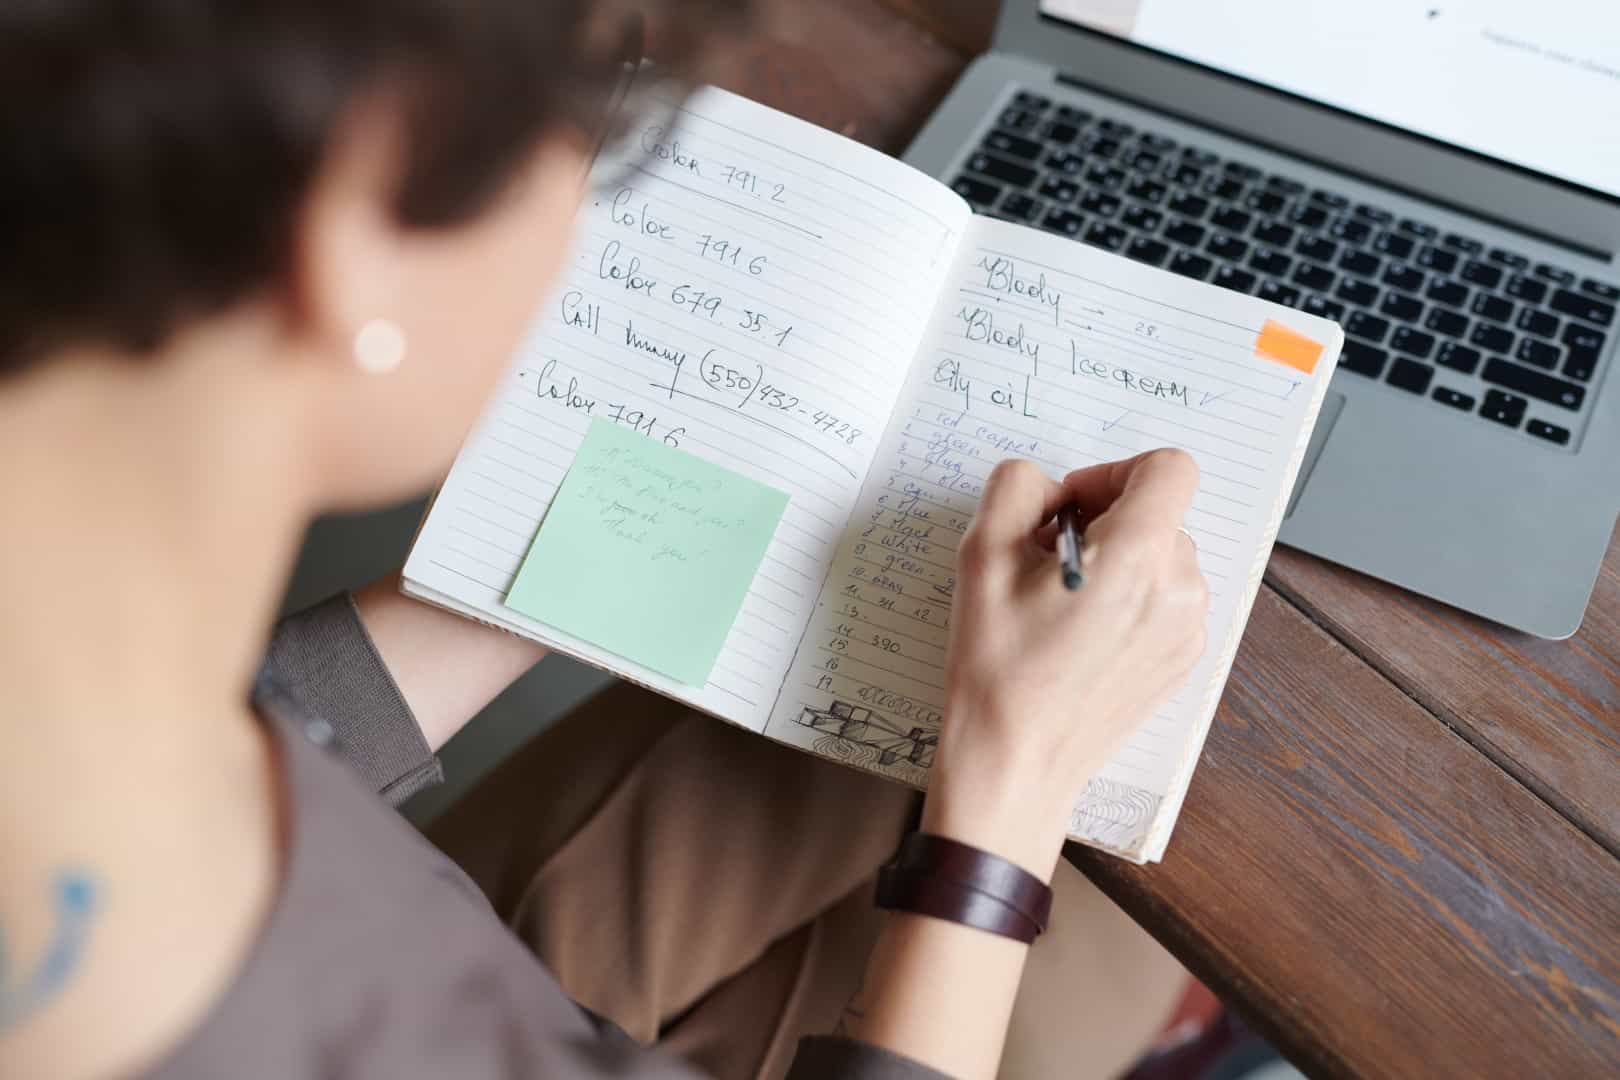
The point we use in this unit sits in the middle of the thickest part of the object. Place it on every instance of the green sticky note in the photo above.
(647, 551)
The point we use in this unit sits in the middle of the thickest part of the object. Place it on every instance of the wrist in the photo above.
(990, 809)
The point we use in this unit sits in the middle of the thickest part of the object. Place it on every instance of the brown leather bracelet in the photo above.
(942, 878)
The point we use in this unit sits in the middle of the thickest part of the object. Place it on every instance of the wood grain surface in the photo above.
(1401, 851)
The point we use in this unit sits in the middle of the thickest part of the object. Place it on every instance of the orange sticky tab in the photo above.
(1277, 342)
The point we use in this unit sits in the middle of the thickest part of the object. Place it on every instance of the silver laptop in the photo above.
(1443, 179)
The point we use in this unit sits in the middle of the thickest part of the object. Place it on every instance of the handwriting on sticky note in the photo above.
(648, 552)
(1287, 346)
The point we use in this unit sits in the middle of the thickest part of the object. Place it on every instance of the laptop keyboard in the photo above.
(1419, 305)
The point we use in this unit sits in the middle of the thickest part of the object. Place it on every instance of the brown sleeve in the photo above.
(324, 659)
(831, 1055)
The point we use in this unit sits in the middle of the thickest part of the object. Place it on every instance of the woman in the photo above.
(213, 212)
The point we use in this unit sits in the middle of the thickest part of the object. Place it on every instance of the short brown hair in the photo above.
(154, 153)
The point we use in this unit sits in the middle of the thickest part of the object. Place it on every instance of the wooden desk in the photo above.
(1401, 851)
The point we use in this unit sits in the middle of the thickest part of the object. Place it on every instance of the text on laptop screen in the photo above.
(1531, 82)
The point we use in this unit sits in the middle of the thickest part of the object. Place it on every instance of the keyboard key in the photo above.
(1538, 323)
(1556, 274)
(1493, 307)
(1059, 189)
(1031, 100)
(1018, 120)
(1073, 114)
(978, 192)
(1401, 307)
(1185, 233)
(1363, 359)
(1270, 262)
(1056, 131)
(1188, 205)
(1527, 289)
(1106, 235)
(1369, 327)
(1582, 345)
(1183, 174)
(1285, 185)
(1234, 278)
(1013, 145)
(1147, 190)
(1100, 203)
(1478, 273)
(1438, 260)
(1445, 395)
(1412, 342)
(1504, 408)
(1327, 309)
(1448, 291)
(1117, 128)
(1362, 263)
(1492, 338)
(1577, 336)
(1582, 307)
(1222, 187)
(1201, 158)
(1579, 364)
(1231, 219)
(1465, 244)
(1067, 164)
(1508, 258)
(1533, 383)
(1187, 264)
(1099, 146)
(1141, 217)
(1311, 276)
(1446, 323)
(1162, 144)
(1148, 250)
(1003, 169)
(1265, 202)
(1319, 248)
(1539, 353)
(1404, 277)
(1410, 375)
(1106, 177)
(1020, 207)
(1394, 245)
(1375, 214)
(1307, 216)
(1551, 432)
(1331, 200)
(1278, 293)
(1241, 171)
(1350, 230)
(1357, 292)
(1601, 288)
(1226, 246)
(1273, 233)
(1457, 357)
(1418, 229)
(1142, 161)
(1065, 222)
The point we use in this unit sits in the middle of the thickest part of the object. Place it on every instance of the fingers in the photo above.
(1155, 488)
(1018, 498)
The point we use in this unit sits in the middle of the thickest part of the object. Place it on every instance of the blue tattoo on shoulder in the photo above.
(75, 900)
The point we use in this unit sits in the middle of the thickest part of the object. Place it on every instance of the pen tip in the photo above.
(1072, 579)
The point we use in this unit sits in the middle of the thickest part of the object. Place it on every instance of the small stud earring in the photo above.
(379, 347)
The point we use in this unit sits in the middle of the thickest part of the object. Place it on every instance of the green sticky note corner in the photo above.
(647, 551)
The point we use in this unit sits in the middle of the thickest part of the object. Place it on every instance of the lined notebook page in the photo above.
(1045, 349)
(751, 288)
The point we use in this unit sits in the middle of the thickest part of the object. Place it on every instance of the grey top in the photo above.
(380, 958)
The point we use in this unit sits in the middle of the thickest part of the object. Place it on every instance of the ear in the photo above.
(345, 254)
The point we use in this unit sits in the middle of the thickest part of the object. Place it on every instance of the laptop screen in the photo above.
(1535, 83)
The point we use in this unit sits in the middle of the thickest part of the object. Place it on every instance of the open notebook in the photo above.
(817, 316)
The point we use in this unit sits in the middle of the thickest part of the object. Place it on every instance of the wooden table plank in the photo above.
(1548, 712)
(962, 25)
(1378, 896)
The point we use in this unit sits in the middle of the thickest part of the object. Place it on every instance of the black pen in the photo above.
(1071, 544)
